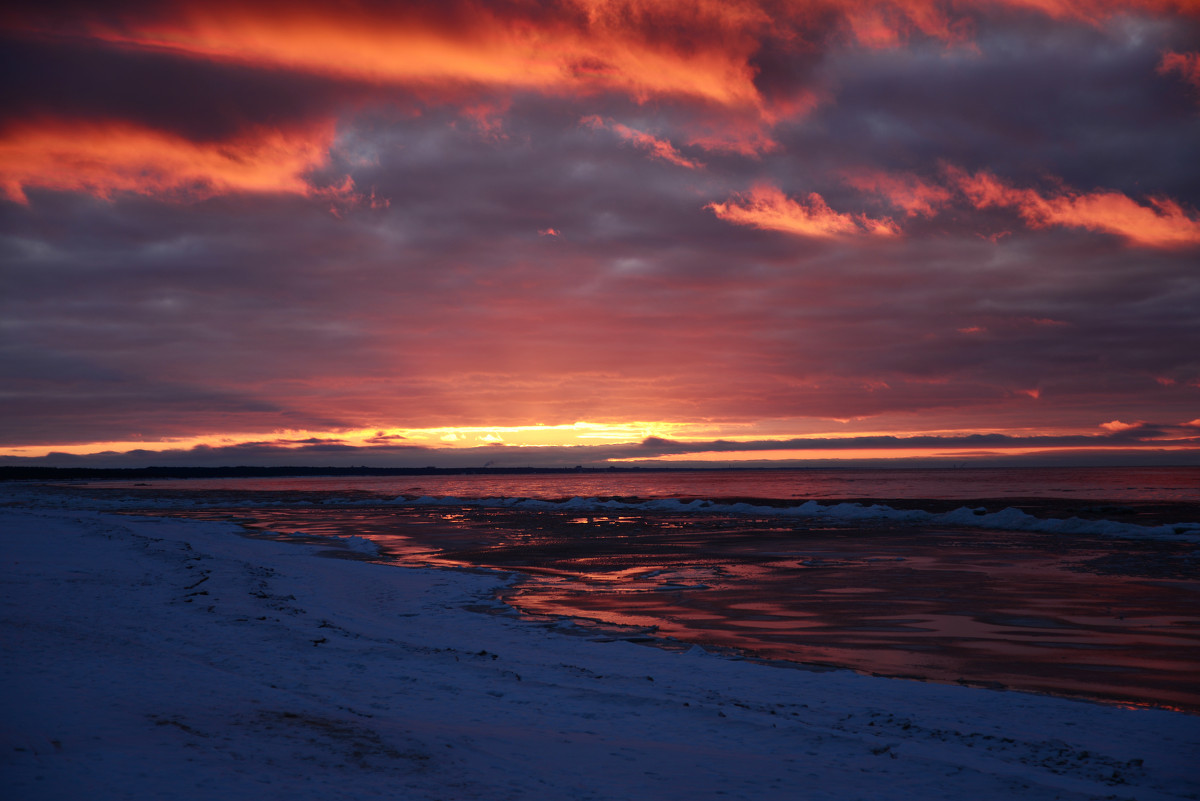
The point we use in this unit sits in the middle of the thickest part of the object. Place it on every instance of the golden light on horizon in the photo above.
(692, 443)
(442, 437)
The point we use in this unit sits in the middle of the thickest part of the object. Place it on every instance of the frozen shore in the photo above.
(149, 658)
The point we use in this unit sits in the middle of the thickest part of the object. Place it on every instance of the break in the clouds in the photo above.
(746, 222)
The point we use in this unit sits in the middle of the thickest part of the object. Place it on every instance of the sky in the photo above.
(458, 233)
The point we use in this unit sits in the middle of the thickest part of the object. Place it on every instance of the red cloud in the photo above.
(699, 53)
(881, 24)
(905, 191)
(769, 208)
(1162, 224)
(104, 158)
(1186, 64)
(657, 148)
(584, 46)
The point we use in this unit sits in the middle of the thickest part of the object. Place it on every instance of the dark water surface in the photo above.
(1165, 484)
(1092, 616)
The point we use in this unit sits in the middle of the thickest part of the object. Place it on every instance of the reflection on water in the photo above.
(1090, 616)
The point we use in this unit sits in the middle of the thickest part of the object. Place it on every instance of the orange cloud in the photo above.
(699, 53)
(880, 24)
(769, 208)
(588, 45)
(1096, 11)
(344, 197)
(905, 191)
(105, 158)
(704, 52)
(1162, 224)
(657, 148)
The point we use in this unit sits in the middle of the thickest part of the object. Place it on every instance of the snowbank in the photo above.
(147, 659)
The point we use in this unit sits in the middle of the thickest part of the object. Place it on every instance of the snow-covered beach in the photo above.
(150, 658)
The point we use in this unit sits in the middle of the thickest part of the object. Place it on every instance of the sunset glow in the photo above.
(596, 232)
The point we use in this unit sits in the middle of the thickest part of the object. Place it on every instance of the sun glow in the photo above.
(446, 437)
(581, 433)
(660, 443)
(724, 457)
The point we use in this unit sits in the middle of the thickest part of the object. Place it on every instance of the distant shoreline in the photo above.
(22, 473)
(41, 473)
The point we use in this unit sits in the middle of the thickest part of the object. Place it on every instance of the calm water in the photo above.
(1099, 617)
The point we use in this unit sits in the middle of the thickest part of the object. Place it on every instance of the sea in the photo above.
(1080, 582)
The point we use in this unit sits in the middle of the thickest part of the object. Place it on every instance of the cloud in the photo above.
(428, 299)
(1116, 434)
(743, 66)
(698, 52)
(768, 208)
(657, 148)
(598, 50)
(1161, 224)
(381, 438)
(105, 158)
(1186, 64)
(904, 191)
(1178, 442)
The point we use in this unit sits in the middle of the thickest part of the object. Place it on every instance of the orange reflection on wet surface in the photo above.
(1101, 618)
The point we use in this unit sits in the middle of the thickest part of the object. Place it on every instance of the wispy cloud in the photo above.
(1161, 223)
(767, 207)
(902, 190)
(657, 148)
(104, 158)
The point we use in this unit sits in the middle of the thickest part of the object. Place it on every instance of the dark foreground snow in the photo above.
(156, 659)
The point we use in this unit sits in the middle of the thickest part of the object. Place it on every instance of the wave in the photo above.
(1009, 519)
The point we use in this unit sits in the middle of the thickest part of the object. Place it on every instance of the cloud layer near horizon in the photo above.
(229, 219)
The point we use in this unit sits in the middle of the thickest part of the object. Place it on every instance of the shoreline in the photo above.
(986, 613)
(157, 657)
(1078, 617)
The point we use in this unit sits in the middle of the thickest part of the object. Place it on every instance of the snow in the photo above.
(150, 658)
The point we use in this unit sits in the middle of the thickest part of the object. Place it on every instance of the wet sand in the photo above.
(1093, 617)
